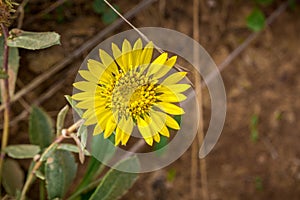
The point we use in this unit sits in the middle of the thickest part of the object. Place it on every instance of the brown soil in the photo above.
(263, 81)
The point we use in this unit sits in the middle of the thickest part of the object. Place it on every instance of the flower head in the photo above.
(128, 90)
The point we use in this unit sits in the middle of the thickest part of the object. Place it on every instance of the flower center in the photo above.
(133, 94)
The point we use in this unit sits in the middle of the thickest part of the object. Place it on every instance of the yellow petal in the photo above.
(145, 130)
(136, 52)
(163, 70)
(89, 112)
(99, 71)
(103, 117)
(108, 61)
(95, 67)
(146, 55)
(85, 86)
(125, 138)
(118, 136)
(126, 125)
(170, 108)
(175, 88)
(160, 120)
(126, 54)
(171, 97)
(149, 141)
(91, 120)
(171, 61)
(83, 95)
(88, 103)
(170, 122)
(110, 127)
(97, 130)
(156, 138)
(174, 78)
(166, 67)
(157, 120)
(153, 126)
(118, 57)
(87, 75)
(157, 64)
(165, 131)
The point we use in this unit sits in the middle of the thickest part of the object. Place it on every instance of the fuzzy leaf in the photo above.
(72, 148)
(115, 183)
(40, 128)
(60, 171)
(82, 133)
(32, 40)
(60, 122)
(22, 151)
(13, 176)
(73, 105)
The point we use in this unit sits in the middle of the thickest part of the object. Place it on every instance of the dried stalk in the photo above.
(6, 101)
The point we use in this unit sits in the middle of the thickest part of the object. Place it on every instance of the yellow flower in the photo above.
(128, 90)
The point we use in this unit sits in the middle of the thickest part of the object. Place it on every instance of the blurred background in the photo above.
(257, 155)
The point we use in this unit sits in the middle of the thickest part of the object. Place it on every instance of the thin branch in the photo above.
(6, 101)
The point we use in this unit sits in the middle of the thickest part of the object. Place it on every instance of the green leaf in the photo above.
(40, 128)
(60, 122)
(82, 133)
(60, 171)
(102, 149)
(109, 16)
(99, 6)
(13, 65)
(256, 20)
(32, 40)
(158, 147)
(73, 105)
(115, 183)
(49, 153)
(22, 151)
(13, 176)
(72, 148)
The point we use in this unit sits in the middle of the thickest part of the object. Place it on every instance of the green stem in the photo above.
(6, 101)
(42, 190)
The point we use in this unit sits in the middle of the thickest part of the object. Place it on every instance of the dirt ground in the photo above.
(263, 81)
